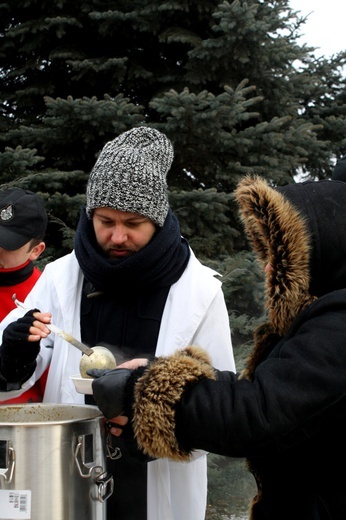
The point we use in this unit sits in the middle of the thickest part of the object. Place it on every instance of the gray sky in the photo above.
(325, 27)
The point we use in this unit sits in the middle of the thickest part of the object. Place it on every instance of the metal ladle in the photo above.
(95, 357)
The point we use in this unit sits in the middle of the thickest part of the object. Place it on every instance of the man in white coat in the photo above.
(133, 284)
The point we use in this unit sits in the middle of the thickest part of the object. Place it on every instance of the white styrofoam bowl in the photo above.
(83, 384)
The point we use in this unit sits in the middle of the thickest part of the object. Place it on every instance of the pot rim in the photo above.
(33, 414)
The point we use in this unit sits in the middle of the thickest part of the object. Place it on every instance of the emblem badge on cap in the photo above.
(6, 213)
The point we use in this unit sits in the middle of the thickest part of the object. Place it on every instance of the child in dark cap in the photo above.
(23, 222)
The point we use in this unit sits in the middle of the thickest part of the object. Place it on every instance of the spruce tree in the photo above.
(228, 82)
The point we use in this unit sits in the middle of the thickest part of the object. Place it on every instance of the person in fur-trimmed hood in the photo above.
(286, 413)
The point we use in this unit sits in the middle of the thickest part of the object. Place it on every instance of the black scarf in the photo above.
(16, 276)
(159, 264)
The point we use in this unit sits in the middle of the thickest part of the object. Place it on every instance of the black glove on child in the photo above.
(17, 354)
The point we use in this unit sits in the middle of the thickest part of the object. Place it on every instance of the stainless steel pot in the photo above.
(52, 463)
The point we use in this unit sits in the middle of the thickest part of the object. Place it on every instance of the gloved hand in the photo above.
(17, 354)
(109, 390)
(113, 393)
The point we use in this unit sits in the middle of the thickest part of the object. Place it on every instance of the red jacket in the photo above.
(20, 280)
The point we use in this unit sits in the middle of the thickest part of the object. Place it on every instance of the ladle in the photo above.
(95, 357)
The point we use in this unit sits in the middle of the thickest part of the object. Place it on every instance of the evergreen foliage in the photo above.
(227, 81)
(239, 490)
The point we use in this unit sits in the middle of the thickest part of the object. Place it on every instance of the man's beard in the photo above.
(111, 253)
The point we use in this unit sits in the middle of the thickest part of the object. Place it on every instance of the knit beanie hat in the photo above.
(130, 175)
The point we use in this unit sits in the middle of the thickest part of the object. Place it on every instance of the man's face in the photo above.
(121, 234)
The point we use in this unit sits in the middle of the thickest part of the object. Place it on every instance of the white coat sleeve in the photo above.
(214, 334)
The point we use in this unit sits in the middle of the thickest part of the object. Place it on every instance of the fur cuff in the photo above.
(157, 393)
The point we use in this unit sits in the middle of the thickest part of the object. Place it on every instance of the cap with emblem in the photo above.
(22, 218)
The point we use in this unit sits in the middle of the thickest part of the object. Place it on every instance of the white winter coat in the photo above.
(195, 313)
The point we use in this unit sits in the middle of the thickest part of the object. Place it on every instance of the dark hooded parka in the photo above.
(286, 413)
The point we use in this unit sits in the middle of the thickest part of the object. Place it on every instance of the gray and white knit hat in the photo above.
(130, 175)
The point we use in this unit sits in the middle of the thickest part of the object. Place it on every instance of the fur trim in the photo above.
(157, 393)
(264, 340)
(279, 235)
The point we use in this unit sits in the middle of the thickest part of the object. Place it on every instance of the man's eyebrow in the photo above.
(137, 217)
(101, 215)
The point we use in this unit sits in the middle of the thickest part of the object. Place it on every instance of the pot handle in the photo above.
(113, 453)
(79, 453)
(7, 461)
(102, 480)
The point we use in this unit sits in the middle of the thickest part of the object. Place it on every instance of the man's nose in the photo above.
(119, 235)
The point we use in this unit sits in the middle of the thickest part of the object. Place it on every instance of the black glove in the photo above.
(113, 392)
(17, 354)
(109, 390)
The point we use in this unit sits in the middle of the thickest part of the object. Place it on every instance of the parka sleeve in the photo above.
(294, 392)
